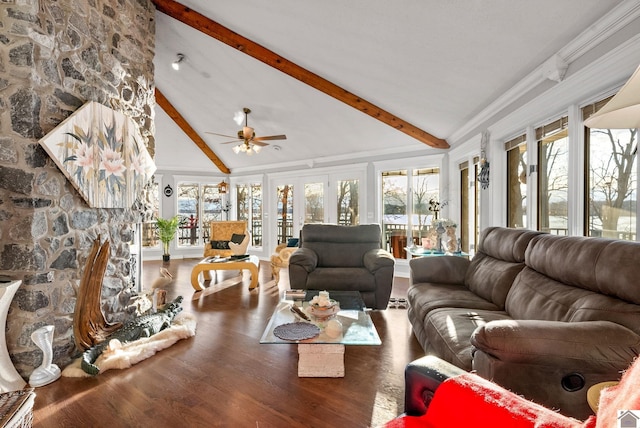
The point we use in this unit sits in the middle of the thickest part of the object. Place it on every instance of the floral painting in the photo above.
(101, 151)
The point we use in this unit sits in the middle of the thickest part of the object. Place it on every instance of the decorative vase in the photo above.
(452, 241)
(47, 372)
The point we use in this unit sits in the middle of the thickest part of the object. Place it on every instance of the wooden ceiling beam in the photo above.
(191, 133)
(213, 29)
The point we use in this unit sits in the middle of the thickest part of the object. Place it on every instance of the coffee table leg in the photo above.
(320, 360)
(195, 281)
(254, 270)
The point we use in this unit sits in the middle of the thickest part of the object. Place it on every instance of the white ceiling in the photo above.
(435, 64)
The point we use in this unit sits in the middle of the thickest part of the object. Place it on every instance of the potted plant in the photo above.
(166, 233)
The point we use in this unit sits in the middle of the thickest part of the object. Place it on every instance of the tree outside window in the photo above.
(348, 202)
(553, 184)
(612, 183)
(516, 182)
(399, 216)
(249, 208)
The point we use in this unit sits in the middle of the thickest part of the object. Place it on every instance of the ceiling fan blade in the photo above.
(232, 141)
(258, 143)
(221, 135)
(270, 137)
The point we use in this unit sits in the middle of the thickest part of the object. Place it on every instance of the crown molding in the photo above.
(604, 28)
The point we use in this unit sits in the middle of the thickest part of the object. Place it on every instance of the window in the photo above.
(611, 180)
(198, 205)
(477, 187)
(516, 181)
(401, 216)
(348, 202)
(553, 177)
(313, 202)
(464, 206)
(285, 212)
(149, 235)
(249, 208)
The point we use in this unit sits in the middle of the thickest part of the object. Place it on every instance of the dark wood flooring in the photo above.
(224, 377)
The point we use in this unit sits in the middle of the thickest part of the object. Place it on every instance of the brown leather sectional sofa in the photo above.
(543, 315)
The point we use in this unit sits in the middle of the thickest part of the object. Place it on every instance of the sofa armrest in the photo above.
(301, 263)
(305, 258)
(443, 269)
(377, 258)
(421, 379)
(588, 344)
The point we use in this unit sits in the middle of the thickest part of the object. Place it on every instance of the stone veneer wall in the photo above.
(55, 56)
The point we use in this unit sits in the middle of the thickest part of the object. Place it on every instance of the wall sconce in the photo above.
(176, 64)
(222, 187)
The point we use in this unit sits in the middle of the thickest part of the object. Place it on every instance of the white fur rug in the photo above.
(124, 355)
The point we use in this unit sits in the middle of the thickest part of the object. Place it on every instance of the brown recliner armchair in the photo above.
(333, 257)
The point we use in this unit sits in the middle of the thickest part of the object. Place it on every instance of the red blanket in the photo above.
(471, 401)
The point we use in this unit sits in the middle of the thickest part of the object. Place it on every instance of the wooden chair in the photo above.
(220, 232)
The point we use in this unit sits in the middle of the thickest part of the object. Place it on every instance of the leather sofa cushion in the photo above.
(538, 297)
(429, 296)
(500, 257)
(448, 331)
(599, 265)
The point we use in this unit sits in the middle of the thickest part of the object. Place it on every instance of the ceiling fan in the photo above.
(249, 143)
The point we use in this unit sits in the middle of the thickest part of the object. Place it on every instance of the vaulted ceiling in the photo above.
(427, 67)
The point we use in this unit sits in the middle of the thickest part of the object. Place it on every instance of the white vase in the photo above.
(10, 379)
(47, 372)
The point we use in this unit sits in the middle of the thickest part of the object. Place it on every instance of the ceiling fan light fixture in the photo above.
(237, 149)
(247, 132)
(176, 64)
(256, 148)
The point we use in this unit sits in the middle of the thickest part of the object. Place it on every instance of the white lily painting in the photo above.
(101, 151)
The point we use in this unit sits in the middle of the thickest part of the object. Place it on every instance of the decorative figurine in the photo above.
(47, 372)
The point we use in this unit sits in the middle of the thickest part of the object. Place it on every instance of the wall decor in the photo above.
(102, 153)
(168, 191)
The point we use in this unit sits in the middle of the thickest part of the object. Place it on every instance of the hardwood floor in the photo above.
(224, 377)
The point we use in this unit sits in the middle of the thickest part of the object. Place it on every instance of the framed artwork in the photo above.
(102, 153)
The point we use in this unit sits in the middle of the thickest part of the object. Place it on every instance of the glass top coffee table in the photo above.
(323, 354)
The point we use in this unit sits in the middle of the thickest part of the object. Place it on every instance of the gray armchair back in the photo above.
(333, 257)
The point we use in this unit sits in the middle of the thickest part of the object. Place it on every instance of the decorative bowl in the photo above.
(324, 312)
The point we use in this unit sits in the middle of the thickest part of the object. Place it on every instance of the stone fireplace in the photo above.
(55, 56)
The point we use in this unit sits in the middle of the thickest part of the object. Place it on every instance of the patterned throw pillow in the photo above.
(220, 245)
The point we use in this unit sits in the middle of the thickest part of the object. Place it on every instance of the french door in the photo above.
(326, 198)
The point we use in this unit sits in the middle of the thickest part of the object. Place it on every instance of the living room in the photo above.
(579, 65)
